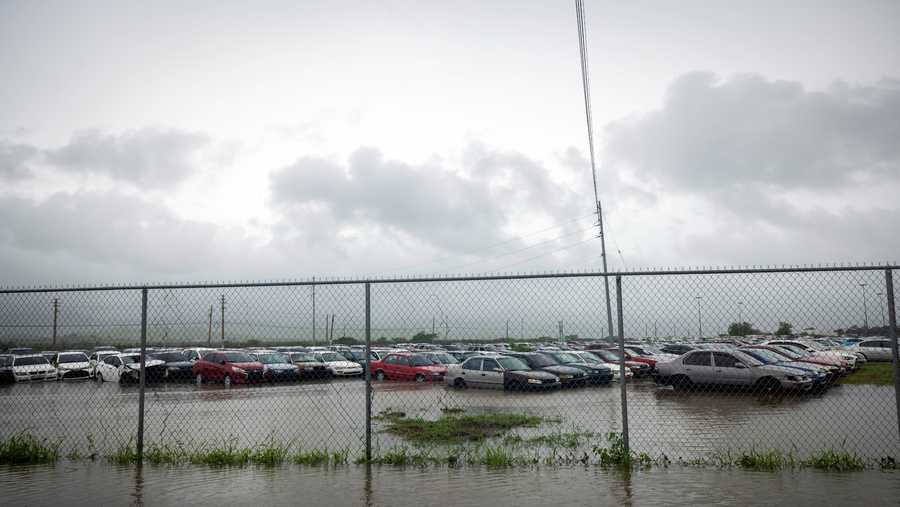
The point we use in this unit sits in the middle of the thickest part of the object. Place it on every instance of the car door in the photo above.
(471, 371)
(727, 372)
(884, 350)
(111, 368)
(698, 367)
(491, 373)
(402, 368)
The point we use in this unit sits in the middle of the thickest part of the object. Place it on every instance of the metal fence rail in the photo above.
(698, 404)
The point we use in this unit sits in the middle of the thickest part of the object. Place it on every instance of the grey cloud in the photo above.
(14, 159)
(150, 157)
(711, 134)
(428, 202)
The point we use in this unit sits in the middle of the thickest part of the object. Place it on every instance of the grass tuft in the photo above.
(24, 448)
(839, 461)
(454, 429)
(769, 460)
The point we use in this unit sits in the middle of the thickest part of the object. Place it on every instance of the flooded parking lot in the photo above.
(331, 415)
(105, 484)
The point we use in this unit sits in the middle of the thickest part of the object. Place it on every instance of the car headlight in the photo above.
(534, 381)
(239, 370)
(565, 376)
(796, 378)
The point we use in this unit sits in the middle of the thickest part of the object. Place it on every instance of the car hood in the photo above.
(280, 366)
(563, 370)
(309, 363)
(342, 364)
(248, 366)
(785, 370)
(803, 366)
(592, 366)
(149, 363)
(33, 367)
(179, 364)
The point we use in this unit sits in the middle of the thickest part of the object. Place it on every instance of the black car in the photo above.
(277, 366)
(597, 373)
(6, 369)
(569, 376)
(359, 356)
(675, 348)
(177, 367)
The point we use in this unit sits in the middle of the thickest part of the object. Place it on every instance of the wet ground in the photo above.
(85, 415)
(103, 484)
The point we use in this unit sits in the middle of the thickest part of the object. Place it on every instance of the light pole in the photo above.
(881, 305)
(865, 310)
(699, 318)
(740, 312)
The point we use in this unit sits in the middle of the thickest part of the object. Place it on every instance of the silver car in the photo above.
(732, 369)
(873, 350)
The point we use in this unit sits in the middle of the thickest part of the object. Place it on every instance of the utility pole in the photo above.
(331, 336)
(699, 318)
(55, 318)
(740, 312)
(881, 305)
(209, 329)
(586, 88)
(865, 310)
(432, 326)
(522, 329)
(507, 329)
(655, 336)
(314, 310)
(222, 307)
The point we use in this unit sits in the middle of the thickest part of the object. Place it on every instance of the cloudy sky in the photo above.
(164, 141)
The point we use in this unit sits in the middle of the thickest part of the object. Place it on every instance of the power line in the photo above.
(567, 247)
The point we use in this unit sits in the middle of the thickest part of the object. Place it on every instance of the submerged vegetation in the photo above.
(453, 429)
(25, 449)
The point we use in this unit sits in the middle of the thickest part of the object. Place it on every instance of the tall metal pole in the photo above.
(222, 327)
(209, 328)
(740, 312)
(143, 386)
(699, 318)
(586, 86)
(892, 336)
(368, 374)
(55, 318)
(881, 306)
(865, 309)
(314, 310)
(622, 390)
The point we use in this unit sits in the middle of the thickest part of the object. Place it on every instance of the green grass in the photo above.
(25, 449)
(879, 374)
(568, 440)
(450, 429)
(618, 456)
(766, 461)
(838, 461)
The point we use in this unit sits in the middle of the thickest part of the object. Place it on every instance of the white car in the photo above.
(32, 367)
(817, 349)
(873, 350)
(339, 365)
(194, 354)
(73, 365)
(127, 368)
(98, 356)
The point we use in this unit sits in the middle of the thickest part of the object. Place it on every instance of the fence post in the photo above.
(368, 374)
(892, 336)
(624, 394)
(140, 432)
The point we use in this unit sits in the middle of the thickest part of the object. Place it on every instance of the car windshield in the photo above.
(609, 355)
(540, 361)
(815, 346)
(237, 357)
(786, 352)
(446, 359)
(331, 357)
(73, 358)
(590, 357)
(28, 361)
(273, 359)
(793, 348)
(512, 363)
(131, 358)
(420, 361)
(302, 357)
(566, 357)
(169, 357)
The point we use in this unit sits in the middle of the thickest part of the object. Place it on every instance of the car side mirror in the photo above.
(740, 365)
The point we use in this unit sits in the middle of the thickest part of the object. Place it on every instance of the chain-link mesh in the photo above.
(485, 370)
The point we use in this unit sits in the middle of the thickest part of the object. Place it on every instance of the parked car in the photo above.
(837, 367)
(820, 375)
(125, 368)
(32, 367)
(873, 350)
(177, 367)
(732, 369)
(590, 357)
(677, 348)
(569, 376)
(20, 351)
(814, 348)
(408, 366)
(73, 365)
(277, 366)
(195, 354)
(443, 358)
(309, 366)
(339, 365)
(501, 372)
(638, 369)
(228, 367)
(98, 356)
(6, 369)
(596, 372)
(359, 357)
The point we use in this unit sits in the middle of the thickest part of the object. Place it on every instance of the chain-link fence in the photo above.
(679, 365)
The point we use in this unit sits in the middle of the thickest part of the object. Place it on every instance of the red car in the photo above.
(407, 366)
(228, 366)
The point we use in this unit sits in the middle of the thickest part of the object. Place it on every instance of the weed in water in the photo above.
(617, 455)
(126, 454)
(24, 448)
(497, 457)
(454, 429)
(768, 460)
(839, 461)
(314, 457)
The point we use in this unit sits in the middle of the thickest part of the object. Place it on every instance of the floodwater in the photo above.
(88, 416)
(103, 484)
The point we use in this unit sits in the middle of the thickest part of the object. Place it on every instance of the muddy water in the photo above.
(102, 484)
(860, 419)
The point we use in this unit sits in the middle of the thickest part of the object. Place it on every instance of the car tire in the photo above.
(515, 386)
(682, 383)
(379, 375)
(768, 385)
(226, 380)
(459, 383)
(199, 378)
(865, 357)
(420, 378)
